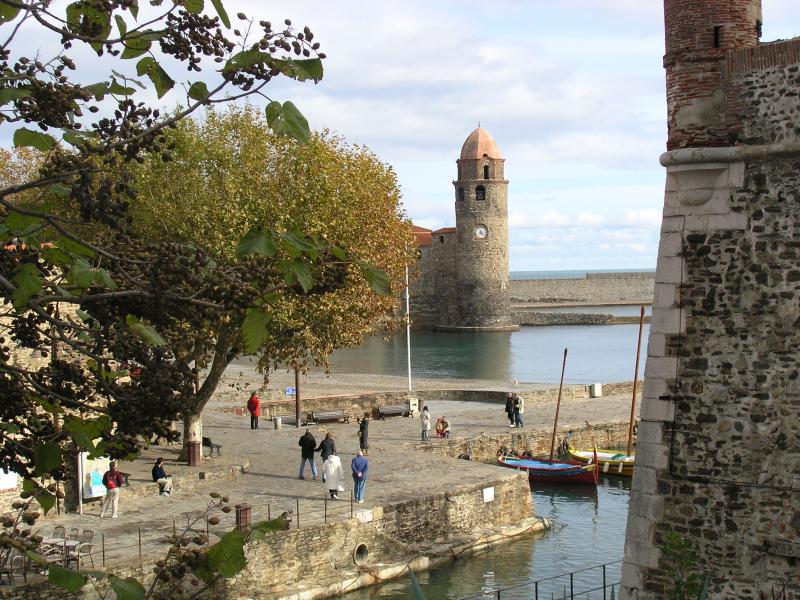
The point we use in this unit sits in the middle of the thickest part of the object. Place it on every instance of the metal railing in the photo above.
(147, 543)
(575, 585)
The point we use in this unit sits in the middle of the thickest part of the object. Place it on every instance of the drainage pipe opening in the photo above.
(360, 554)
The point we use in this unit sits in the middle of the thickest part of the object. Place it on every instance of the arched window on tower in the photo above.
(480, 193)
(460, 194)
(486, 171)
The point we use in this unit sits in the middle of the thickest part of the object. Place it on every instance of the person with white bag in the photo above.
(333, 475)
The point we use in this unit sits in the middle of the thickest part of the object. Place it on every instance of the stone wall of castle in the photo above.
(718, 455)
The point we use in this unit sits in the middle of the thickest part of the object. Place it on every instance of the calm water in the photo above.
(600, 353)
(589, 531)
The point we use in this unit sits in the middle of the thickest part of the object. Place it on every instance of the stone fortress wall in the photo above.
(718, 458)
(595, 289)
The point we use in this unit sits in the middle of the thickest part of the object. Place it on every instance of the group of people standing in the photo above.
(515, 407)
(332, 471)
(442, 424)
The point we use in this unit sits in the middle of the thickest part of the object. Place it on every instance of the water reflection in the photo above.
(533, 354)
(589, 530)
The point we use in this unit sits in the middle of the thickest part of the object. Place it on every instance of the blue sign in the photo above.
(290, 391)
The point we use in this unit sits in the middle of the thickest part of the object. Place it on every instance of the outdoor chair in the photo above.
(52, 555)
(87, 537)
(74, 534)
(83, 551)
(59, 531)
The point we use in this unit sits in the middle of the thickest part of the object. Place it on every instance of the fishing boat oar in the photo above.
(635, 381)
(558, 406)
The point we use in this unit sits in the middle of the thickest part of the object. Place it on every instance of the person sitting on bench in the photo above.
(160, 476)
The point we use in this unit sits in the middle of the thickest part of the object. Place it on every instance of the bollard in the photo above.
(277, 422)
(269, 513)
(103, 547)
(326, 509)
(243, 516)
(195, 454)
(140, 544)
(298, 513)
(351, 504)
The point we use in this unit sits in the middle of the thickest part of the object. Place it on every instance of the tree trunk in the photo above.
(192, 430)
(224, 353)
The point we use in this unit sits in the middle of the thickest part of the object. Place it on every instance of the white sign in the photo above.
(290, 391)
(364, 515)
(92, 470)
(8, 481)
(488, 494)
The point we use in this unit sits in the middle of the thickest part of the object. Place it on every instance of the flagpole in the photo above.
(408, 331)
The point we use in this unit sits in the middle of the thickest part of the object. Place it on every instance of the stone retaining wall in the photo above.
(484, 448)
(324, 552)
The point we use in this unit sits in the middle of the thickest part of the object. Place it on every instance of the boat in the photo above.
(551, 471)
(614, 462)
(611, 462)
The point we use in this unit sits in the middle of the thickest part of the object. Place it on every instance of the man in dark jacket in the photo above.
(160, 476)
(307, 445)
(510, 408)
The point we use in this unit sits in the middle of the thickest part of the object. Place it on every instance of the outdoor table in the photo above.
(51, 541)
(64, 546)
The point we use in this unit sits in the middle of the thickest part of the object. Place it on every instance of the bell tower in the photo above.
(481, 250)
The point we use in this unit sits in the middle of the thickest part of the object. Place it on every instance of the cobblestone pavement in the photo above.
(271, 485)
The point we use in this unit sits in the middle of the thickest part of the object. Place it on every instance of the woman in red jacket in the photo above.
(254, 408)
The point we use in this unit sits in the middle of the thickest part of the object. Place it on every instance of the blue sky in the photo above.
(571, 90)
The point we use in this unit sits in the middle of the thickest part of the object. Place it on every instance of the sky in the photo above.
(571, 90)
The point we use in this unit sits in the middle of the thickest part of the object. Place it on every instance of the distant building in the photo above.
(462, 274)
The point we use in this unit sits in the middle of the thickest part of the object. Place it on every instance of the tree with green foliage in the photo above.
(82, 286)
(230, 177)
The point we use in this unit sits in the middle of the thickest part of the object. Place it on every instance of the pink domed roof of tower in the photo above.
(478, 144)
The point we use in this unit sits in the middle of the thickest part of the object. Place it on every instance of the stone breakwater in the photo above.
(595, 289)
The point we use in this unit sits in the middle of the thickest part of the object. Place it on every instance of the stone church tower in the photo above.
(481, 251)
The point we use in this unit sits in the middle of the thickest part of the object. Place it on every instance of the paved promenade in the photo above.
(271, 484)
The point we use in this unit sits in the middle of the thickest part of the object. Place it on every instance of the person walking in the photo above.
(425, 417)
(254, 408)
(112, 480)
(326, 448)
(510, 408)
(519, 408)
(160, 476)
(363, 434)
(332, 473)
(307, 445)
(359, 466)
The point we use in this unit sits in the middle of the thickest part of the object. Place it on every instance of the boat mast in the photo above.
(558, 406)
(635, 381)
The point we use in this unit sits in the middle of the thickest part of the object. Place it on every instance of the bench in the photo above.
(125, 477)
(286, 419)
(392, 411)
(213, 449)
(319, 416)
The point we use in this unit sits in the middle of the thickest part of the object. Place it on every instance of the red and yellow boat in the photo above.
(610, 462)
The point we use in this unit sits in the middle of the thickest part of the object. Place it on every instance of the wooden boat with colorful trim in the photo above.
(611, 462)
(547, 471)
